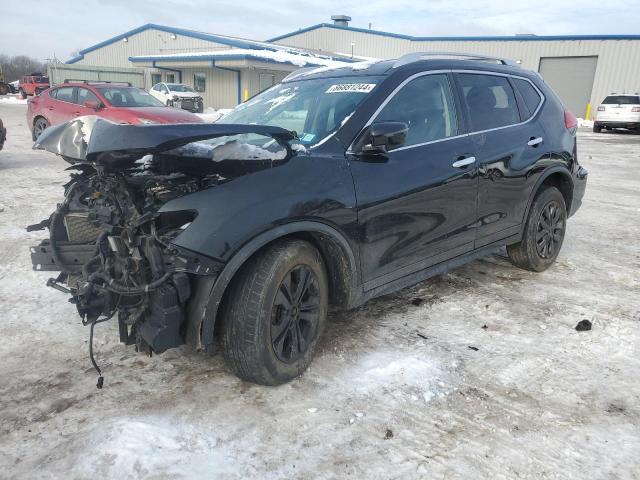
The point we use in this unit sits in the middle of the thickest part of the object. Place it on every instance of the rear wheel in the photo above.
(275, 313)
(40, 125)
(597, 128)
(543, 232)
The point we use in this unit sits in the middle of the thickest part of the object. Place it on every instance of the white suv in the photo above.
(178, 95)
(618, 111)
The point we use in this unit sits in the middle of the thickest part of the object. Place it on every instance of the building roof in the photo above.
(519, 38)
(289, 56)
(233, 42)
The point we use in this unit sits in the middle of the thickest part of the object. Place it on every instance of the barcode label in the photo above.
(351, 87)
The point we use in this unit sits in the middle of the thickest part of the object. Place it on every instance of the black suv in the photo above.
(333, 187)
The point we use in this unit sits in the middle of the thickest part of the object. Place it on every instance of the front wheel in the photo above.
(23, 94)
(274, 313)
(543, 233)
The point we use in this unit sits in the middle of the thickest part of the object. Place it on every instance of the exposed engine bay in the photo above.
(108, 238)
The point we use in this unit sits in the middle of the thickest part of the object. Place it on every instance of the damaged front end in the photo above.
(109, 239)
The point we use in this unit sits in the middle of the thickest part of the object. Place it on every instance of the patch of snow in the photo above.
(231, 150)
(298, 147)
(298, 58)
(146, 447)
(406, 376)
(211, 115)
(585, 123)
(13, 100)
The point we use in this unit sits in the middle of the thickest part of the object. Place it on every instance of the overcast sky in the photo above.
(46, 28)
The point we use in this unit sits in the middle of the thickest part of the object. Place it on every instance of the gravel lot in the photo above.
(395, 390)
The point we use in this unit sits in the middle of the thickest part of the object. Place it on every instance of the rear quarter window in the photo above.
(530, 95)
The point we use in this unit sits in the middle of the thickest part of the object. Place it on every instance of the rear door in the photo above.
(62, 106)
(510, 144)
(415, 208)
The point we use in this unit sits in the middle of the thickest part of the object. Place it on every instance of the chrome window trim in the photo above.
(435, 72)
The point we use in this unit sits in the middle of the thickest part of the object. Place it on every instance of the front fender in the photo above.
(203, 310)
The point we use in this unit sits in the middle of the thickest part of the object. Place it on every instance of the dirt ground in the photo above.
(485, 377)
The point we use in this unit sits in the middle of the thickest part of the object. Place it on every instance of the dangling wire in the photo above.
(93, 360)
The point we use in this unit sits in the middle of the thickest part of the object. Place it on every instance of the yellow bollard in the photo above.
(246, 94)
(588, 112)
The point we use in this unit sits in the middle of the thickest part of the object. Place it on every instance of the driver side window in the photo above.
(426, 105)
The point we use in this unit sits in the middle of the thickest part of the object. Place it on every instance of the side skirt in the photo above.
(442, 267)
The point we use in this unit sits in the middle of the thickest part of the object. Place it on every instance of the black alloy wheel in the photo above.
(550, 231)
(295, 314)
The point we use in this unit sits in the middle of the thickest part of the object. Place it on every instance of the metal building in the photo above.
(582, 69)
(225, 70)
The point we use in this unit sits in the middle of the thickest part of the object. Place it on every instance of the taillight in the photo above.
(570, 120)
(635, 109)
(601, 108)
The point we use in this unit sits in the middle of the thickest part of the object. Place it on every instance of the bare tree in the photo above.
(19, 65)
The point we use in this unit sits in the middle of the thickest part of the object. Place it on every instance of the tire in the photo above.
(4, 89)
(543, 233)
(23, 95)
(256, 310)
(597, 128)
(39, 126)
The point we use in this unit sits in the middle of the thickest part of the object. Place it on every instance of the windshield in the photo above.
(621, 100)
(311, 108)
(129, 97)
(178, 87)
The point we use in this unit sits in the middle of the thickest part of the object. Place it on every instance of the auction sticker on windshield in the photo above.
(351, 87)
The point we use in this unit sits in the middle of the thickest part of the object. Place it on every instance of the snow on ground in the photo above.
(12, 99)
(585, 123)
(394, 391)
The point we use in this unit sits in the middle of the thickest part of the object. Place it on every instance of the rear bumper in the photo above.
(617, 124)
(579, 187)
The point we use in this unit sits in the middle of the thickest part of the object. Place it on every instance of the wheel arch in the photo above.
(558, 177)
(337, 254)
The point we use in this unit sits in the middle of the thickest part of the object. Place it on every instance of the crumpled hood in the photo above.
(92, 139)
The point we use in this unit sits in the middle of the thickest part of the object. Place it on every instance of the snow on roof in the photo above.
(295, 57)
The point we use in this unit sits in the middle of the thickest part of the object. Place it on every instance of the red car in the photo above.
(119, 103)
(33, 84)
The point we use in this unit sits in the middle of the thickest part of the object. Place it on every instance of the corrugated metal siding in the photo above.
(220, 89)
(618, 67)
(145, 43)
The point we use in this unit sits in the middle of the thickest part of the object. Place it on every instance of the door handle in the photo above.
(463, 162)
(534, 141)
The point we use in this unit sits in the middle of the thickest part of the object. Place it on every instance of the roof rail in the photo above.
(417, 56)
(92, 82)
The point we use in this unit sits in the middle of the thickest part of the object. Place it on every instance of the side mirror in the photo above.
(384, 136)
(93, 104)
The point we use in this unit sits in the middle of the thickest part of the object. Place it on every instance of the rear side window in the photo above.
(622, 100)
(490, 101)
(426, 106)
(64, 94)
(530, 95)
